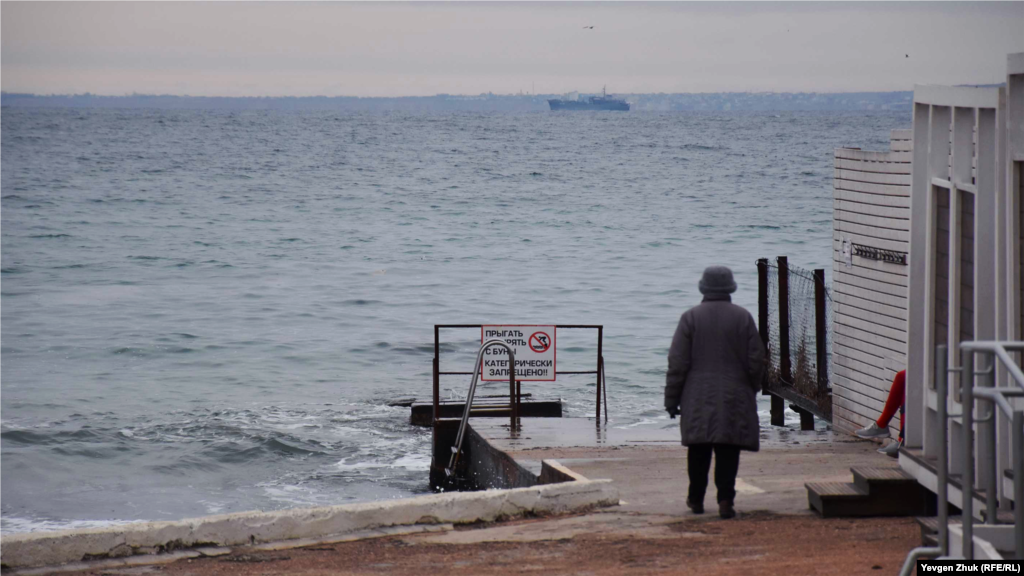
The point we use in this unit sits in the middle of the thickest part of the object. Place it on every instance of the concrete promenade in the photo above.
(650, 532)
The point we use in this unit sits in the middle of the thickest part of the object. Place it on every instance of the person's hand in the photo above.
(672, 412)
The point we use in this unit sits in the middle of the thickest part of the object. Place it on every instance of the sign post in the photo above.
(534, 348)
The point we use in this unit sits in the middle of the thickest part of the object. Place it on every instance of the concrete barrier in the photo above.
(249, 528)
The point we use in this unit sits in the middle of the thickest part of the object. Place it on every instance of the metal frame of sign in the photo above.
(554, 366)
(599, 372)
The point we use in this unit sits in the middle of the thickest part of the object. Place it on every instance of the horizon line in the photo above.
(512, 94)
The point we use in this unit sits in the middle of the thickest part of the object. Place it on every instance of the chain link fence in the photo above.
(799, 309)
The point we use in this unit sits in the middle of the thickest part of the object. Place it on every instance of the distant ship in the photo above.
(571, 101)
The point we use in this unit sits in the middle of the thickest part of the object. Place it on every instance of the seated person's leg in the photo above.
(880, 427)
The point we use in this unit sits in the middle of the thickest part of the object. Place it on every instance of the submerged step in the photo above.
(422, 413)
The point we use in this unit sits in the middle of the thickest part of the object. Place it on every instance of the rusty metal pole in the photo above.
(820, 329)
(437, 398)
(762, 306)
(437, 375)
(513, 412)
(778, 411)
(604, 388)
(519, 398)
(600, 353)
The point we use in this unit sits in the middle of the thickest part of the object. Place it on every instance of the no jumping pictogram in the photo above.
(540, 342)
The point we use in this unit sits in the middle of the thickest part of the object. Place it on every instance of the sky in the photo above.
(420, 49)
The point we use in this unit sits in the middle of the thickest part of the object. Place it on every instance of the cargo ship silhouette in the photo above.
(603, 102)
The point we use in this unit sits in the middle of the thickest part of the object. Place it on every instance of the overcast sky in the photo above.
(400, 49)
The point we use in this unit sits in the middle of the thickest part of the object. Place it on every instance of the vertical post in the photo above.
(513, 396)
(604, 389)
(1017, 434)
(437, 374)
(967, 486)
(986, 441)
(942, 471)
(762, 306)
(806, 418)
(519, 397)
(820, 330)
(778, 411)
(600, 354)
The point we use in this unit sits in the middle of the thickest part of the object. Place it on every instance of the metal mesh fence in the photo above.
(801, 372)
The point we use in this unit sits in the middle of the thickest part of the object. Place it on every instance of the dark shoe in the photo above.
(726, 511)
(695, 508)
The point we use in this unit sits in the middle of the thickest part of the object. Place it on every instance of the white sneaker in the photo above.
(893, 449)
(873, 431)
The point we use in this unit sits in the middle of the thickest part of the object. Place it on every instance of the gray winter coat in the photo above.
(715, 366)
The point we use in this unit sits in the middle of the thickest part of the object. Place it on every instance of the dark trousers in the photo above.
(698, 463)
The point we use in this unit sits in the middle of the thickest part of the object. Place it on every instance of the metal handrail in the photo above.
(942, 371)
(998, 397)
(513, 398)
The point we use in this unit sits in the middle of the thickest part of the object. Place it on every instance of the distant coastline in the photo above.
(710, 102)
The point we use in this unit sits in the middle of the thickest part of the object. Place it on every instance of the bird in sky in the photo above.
(588, 27)
(906, 55)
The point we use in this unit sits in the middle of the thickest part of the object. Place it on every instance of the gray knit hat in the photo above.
(717, 280)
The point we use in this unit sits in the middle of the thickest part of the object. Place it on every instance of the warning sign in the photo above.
(534, 347)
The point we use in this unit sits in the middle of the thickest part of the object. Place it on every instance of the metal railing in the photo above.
(514, 398)
(601, 392)
(988, 440)
(999, 398)
(942, 469)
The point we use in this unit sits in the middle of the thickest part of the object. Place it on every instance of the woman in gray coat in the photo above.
(715, 367)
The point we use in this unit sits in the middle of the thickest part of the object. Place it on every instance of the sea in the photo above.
(209, 311)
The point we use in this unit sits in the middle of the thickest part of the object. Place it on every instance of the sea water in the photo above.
(207, 311)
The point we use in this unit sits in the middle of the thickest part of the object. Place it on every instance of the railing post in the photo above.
(600, 353)
(437, 375)
(942, 465)
(778, 410)
(987, 441)
(762, 306)
(967, 485)
(604, 389)
(513, 397)
(1017, 434)
(820, 330)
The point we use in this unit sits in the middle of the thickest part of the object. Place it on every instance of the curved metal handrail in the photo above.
(457, 448)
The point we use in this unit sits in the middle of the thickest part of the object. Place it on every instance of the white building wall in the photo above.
(965, 252)
(869, 295)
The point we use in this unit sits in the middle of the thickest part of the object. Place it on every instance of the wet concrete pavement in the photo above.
(649, 465)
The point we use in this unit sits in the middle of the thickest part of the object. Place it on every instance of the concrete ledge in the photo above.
(552, 472)
(249, 528)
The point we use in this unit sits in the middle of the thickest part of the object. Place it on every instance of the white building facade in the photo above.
(965, 285)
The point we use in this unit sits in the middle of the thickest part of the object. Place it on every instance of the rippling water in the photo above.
(206, 312)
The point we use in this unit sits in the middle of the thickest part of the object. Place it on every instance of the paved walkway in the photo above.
(649, 465)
